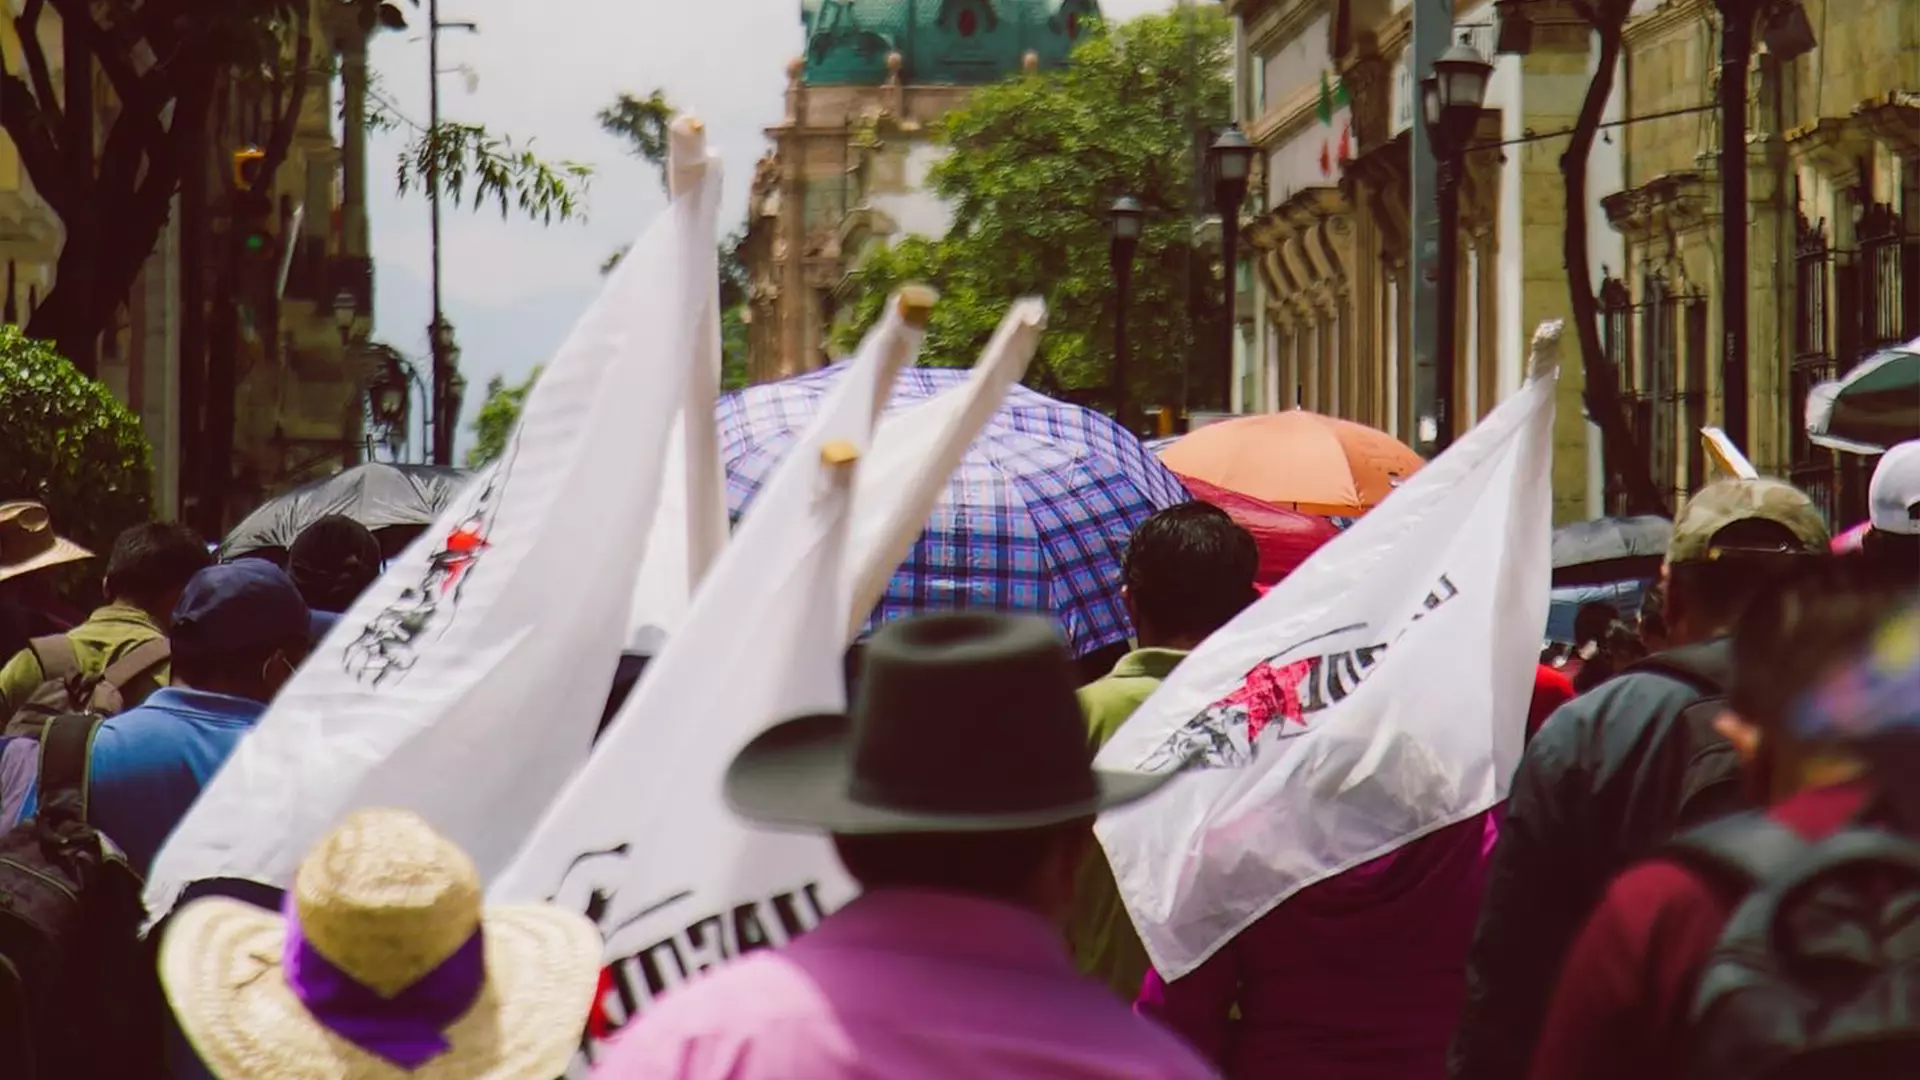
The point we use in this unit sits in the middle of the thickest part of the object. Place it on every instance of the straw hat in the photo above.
(28, 542)
(381, 904)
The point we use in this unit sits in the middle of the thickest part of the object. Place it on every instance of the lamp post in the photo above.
(1231, 156)
(1450, 101)
(444, 409)
(1126, 220)
(344, 314)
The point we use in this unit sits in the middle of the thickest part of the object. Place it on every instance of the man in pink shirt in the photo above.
(960, 796)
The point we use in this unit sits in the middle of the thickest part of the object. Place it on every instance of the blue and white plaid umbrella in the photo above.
(1036, 518)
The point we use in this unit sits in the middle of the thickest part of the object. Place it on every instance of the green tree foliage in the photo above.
(67, 442)
(498, 416)
(1034, 164)
(642, 124)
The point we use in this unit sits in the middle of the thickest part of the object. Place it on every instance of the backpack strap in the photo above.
(65, 749)
(1737, 852)
(137, 661)
(58, 661)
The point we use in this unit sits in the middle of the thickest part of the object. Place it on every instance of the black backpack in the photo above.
(79, 996)
(1817, 973)
(1705, 764)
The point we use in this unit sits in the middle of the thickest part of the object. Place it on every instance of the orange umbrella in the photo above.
(1298, 459)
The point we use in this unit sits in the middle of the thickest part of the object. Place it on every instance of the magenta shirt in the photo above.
(902, 983)
(1360, 977)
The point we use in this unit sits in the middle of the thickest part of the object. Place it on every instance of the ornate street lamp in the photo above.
(1126, 220)
(1231, 157)
(1450, 100)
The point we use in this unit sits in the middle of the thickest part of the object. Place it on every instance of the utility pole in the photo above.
(446, 405)
(1736, 49)
(1432, 32)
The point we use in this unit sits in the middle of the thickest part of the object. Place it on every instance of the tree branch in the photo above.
(113, 51)
(24, 123)
(27, 28)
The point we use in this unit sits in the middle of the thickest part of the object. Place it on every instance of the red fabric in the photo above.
(1285, 537)
(1627, 985)
(1551, 689)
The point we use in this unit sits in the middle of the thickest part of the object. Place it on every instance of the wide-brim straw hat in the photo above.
(221, 962)
(28, 542)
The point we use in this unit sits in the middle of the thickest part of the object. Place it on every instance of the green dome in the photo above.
(940, 42)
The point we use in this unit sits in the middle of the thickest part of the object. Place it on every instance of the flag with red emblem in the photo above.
(1377, 694)
(466, 684)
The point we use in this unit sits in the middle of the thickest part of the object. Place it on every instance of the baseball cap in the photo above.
(1728, 502)
(239, 607)
(1893, 497)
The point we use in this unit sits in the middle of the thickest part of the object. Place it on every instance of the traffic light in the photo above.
(248, 164)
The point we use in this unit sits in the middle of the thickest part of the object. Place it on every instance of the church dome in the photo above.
(940, 42)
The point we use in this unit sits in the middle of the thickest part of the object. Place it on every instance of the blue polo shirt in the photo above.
(149, 764)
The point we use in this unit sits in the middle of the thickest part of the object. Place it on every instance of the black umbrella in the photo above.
(1610, 549)
(395, 502)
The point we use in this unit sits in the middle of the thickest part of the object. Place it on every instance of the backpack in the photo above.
(1706, 765)
(79, 993)
(1817, 972)
(64, 688)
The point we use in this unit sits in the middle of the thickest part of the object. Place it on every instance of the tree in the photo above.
(498, 416)
(1034, 163)
(642, 123)
(69, 443)
(1621, 454)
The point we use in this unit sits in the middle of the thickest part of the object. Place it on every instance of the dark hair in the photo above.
(1756, 557)
(1190, 569)
(996, 865)
(1894, 558)
(333, 561)
(1593, 620)
(1619, 648)
(153, 560)
(1794, 635)
(1653, 613)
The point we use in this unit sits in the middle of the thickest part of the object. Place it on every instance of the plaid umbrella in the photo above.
(1035, 519)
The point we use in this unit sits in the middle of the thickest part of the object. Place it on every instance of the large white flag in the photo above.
(691, 526)
(641, 840)
(1377, 694)
(467, 682)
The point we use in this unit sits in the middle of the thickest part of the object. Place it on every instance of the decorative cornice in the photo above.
(1668, 203)
(1281, 22)
(1665, 19)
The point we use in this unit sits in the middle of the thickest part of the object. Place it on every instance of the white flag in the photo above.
(1376, 695)
(467, 682)
(691, 526)
(641, 840)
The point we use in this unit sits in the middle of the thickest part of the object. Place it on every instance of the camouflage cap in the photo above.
(1728, 502)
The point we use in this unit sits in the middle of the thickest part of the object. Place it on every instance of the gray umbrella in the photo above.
(1610, 549)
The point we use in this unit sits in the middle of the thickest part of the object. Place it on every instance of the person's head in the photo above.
(1189, 570)
(1733, 542)
(333, 561)
(241, 628)
(1892, 542)
(1787, 642)
(1591, 622)
(1653, 619)
(1030, 868)
(152, 563)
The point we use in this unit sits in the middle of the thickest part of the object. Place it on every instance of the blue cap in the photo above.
(241, 607)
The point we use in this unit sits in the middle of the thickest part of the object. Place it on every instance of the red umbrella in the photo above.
(1286, 537)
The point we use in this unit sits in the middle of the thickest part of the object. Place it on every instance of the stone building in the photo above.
(1833, 193)
(1325, 92)
(849, 161)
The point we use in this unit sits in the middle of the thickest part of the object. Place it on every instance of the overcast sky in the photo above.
(541, 71)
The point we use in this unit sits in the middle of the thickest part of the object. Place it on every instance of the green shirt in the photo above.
(108, 634)
(1105, 945)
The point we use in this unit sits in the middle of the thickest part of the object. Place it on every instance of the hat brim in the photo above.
(62, 552)
(798, 774)
(220, 963)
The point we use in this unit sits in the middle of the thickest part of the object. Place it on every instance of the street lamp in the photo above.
(1126, 220)
(1231, 156)
(446, 369)
(1450, 100)
(344, 313)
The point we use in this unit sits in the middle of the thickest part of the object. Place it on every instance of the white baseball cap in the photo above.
(1893, 498)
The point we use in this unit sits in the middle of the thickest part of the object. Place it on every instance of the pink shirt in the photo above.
(902, 983)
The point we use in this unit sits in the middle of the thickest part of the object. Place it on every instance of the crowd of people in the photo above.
(1707, 864)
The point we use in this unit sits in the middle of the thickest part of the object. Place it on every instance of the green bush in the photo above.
(66, 441)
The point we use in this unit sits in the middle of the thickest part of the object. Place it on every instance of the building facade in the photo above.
(848, 166)
(1325, 91)
(1833, 205)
